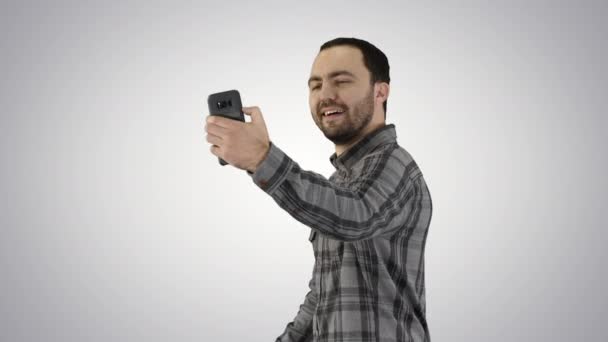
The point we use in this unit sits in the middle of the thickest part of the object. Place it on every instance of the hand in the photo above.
(241, 144)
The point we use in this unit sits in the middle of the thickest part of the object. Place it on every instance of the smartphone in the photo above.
(227, 104)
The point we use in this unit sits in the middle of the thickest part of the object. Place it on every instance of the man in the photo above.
(369, 220)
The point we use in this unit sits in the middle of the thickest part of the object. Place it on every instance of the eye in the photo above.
(315, 87)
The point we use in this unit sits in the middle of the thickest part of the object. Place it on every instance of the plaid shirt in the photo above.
(369, 223)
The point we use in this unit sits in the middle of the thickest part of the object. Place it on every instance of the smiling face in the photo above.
(340, 84)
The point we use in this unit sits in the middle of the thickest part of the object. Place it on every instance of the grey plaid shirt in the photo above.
(369, 223)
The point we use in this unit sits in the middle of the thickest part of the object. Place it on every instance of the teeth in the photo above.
(332, 112)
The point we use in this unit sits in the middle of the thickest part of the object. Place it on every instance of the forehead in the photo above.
(339, 58)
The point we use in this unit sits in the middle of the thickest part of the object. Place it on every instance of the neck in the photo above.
(341, 148)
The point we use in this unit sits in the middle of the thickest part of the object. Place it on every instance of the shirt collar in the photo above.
(383, 135)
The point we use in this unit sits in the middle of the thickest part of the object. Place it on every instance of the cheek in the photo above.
(348, 96)
(312, 103)
(312, 110)
(354, 98)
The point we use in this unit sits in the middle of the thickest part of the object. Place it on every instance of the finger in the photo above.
(254, 112)
(216, 129)
(220, 121)
(214, 139)
(215, 150)
(250, 110)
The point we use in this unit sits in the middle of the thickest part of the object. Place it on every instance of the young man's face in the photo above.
(339, 80)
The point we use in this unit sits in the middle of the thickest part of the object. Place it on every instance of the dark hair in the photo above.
(374, 60)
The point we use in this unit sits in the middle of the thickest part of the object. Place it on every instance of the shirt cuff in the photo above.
(273, 170)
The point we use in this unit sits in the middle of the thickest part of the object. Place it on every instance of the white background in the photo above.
(117, 224)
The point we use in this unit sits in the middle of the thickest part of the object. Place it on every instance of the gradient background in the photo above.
(117, 224)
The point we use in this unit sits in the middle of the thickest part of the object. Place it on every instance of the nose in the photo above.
(327, 92)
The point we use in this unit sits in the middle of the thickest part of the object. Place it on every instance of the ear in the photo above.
(382, 91)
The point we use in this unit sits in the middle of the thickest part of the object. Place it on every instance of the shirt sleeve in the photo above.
(375, 201)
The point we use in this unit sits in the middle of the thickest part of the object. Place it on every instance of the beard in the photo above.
(352, 123)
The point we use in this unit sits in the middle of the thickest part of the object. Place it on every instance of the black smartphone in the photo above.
(227, 104)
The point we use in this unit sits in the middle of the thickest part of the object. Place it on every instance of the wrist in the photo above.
(264, 154)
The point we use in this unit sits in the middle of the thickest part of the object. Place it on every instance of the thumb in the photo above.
(255, 113)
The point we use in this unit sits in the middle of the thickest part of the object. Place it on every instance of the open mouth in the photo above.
(332, 113)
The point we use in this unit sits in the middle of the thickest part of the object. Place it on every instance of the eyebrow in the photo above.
(331, 75)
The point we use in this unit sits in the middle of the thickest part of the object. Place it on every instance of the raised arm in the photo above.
(380, 199)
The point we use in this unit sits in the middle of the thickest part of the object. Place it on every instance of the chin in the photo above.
(340, 138)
